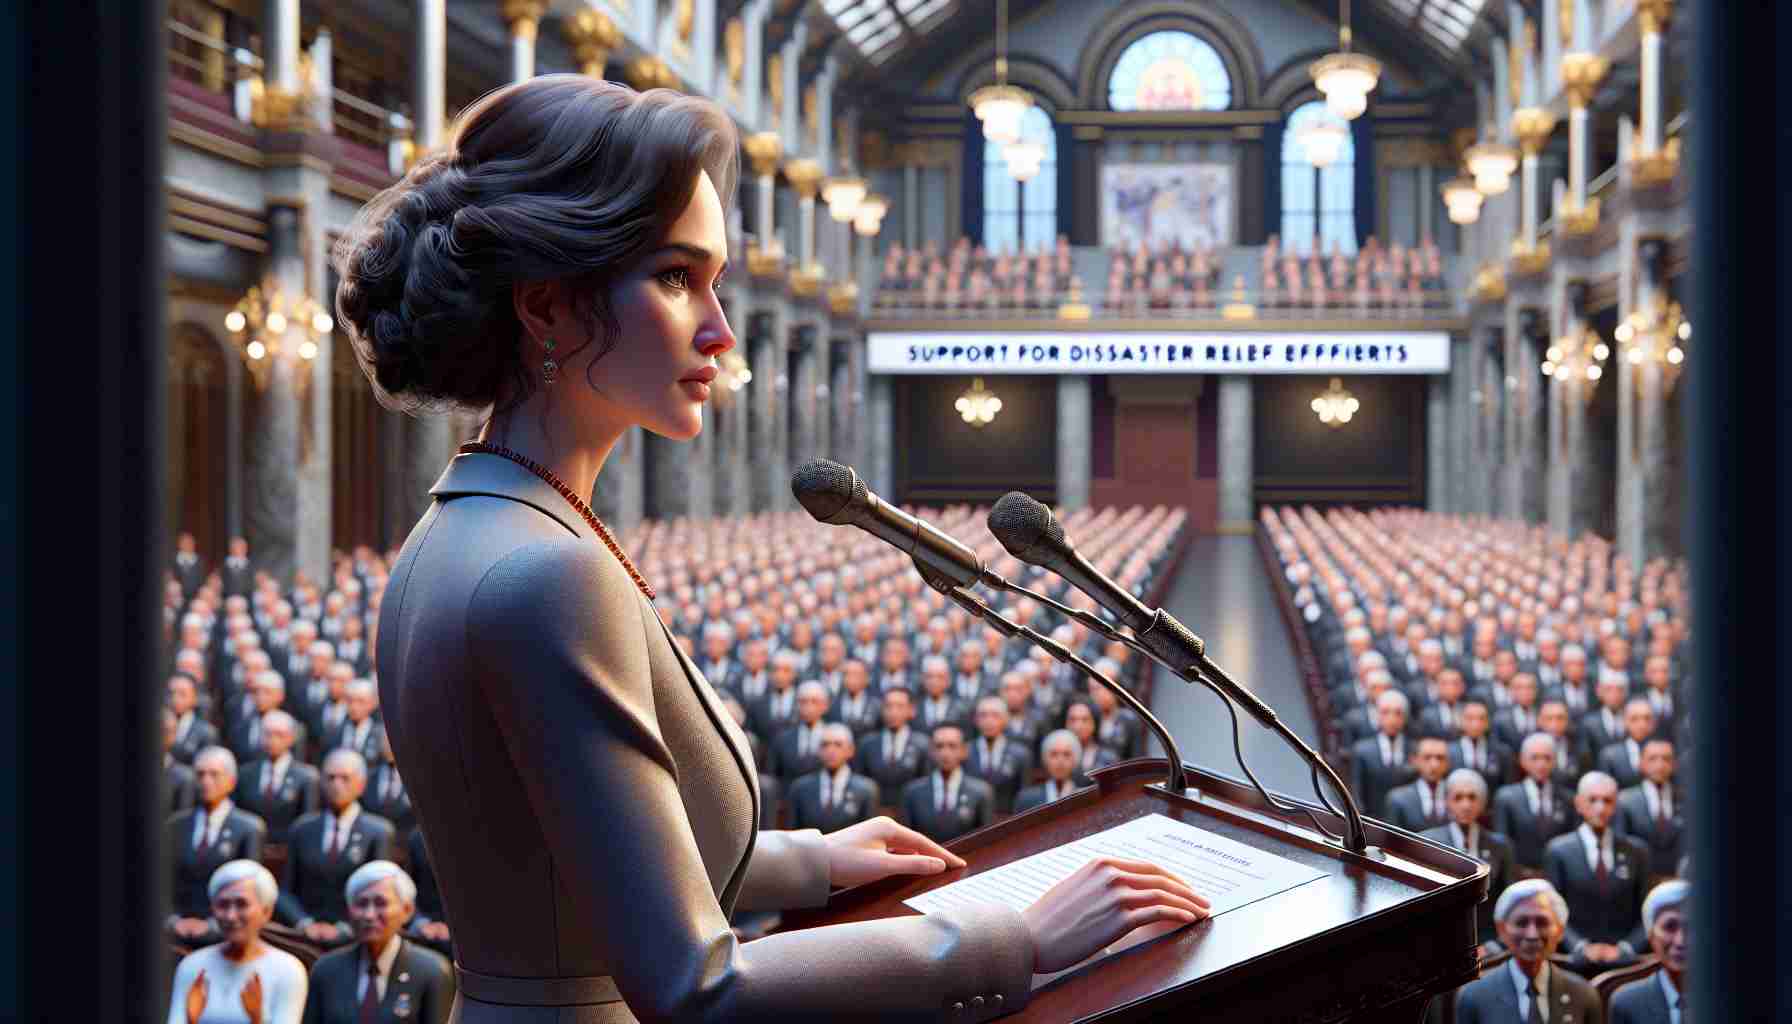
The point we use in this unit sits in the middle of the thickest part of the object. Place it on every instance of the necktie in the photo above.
(1542, 802)
(1661, 810)
(889, 747)
(945, 796)
(827, 790)
(267, 781)
(1532, 1014)
(369, 1012)
(1437, 801)
(1599, 874)
(205, 835)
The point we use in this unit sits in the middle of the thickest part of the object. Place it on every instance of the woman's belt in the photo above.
(491, 988)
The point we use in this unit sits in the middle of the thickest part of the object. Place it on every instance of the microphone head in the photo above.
(825, 489)
(1025, 527)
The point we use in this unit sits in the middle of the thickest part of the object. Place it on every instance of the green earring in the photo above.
(549, 368)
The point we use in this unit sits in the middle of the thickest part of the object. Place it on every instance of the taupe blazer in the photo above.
(590, 808)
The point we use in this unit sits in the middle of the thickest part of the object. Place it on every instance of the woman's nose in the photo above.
(715, 337)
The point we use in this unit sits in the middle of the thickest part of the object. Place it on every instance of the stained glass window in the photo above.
(1021, 214)
(1169, 70)
(1321, 202)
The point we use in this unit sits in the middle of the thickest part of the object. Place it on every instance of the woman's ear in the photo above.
(540, 308)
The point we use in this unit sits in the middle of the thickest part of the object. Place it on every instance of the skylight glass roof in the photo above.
(872, 26)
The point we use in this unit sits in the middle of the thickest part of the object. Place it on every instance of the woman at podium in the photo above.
(589, 805)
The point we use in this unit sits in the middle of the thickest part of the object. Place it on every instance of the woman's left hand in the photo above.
(879, 848)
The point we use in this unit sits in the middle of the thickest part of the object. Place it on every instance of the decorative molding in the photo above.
(1405, 151)
(1086, 132)
(216, 145)
(1170, 118)
(211, 232)
(1208, 19)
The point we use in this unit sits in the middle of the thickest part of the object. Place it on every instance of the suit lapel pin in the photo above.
(406, 976)
(401, 1007)
(1564, 999)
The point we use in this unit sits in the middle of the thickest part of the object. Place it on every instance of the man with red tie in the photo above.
(1651, 810)
(325, 847)
(1465, 795)
(1534, 810)
(1420, 804)
(383, 978)
(1602, 875)
(203, 839)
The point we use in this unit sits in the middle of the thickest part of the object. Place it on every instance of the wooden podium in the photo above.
(1372, 940)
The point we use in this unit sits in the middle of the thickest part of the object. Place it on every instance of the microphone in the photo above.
(835, 495)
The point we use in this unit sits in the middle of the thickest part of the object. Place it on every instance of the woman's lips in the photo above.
(697, 389)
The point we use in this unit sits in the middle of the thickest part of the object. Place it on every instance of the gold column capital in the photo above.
(763, 151)
(1533, 126)
(592, 34)
(523, 16)
(1653, 15)
(650, 73)
(804, 175)
(1581, 75)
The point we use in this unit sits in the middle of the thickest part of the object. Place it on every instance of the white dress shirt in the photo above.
(1393, 749)
(935, 709)
(1659, 799)
(781, 703)
(950, 788)
(1469, 843)
(1533, 794)
(387, 956)
(1520, 982)
(277, 769)
(1474, 753)
(992, 749)
(807, 738)
(337, 828)
(833, 786)
(852, 707)
(895, 743)
(183, 726)
(1635, 752)
(1597, 848)
(1673, 994)
(206, 826)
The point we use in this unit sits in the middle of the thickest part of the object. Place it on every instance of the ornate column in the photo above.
(1075, 439)
(280, 46)
(1437, 443)
(592, 35)
(1463, 411)
(667, 474)
(1581, 74)
(1237, 463)
(1567, 422)
(804, 176)
(1509, 383)
(804, 342)
(1652, 18)
(1491, 388)
(766, 255)
(1530, 337)
(1533, 126)
(524, 19)
(880, 399)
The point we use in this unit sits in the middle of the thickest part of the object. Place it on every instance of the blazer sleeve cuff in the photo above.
(788, 870)
(997, 950)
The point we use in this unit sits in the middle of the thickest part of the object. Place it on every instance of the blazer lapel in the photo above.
(495, 475)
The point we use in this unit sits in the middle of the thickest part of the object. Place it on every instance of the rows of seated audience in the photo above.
(1377, 277)
(861, 692)
(1515, 695)
(970, 279)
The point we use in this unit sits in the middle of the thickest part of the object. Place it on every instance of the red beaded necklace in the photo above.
(566, 492)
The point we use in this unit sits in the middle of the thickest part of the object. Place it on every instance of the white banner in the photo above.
(1354, 352)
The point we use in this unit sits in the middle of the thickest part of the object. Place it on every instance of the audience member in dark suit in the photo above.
(1552, 718)
(386, 795)
(948, 802)
(1465, 793)
(186, 565)
(719, 667)
(996, 759)
(938, 705)
(1028, 722)
(1442, 717)
(893, 670)
(1534, 810)
(205, 838)
(1658, 998)
(1604, 725)
(1421, 803)
(1659, 692)
(776, 710)
(1572, 686)
(969, 680)
(352, 646)
(325, 848)
(1364, 721)
(1380, 762)
(237, 573)
(1119, 729)
(1511, 724)
(833, 797)
(1475, 749)
(856, 707)
(1623, 760)
(1651, 810)
(431, 920)
(1532, 919)
(277, 786)
(754, 680)
(268, 692)
(382, 977)
(1060, 751)
(177, 778)
(796, 751)
(895, 755)
(1605, 902)
(359, 730)
(1079, 719)
(192, 732)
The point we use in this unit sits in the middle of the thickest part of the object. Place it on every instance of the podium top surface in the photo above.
(1410, 903)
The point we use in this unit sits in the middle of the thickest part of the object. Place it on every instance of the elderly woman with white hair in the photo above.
(1659, 998)
(1531, 917)
(383, 976)
(1061, 752)
(241, 979)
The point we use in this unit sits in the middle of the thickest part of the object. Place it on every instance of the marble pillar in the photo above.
(822, 424)
(1237, 502)
(806, 345)
(1462, 420)
(1076, 442)
(429, 438)
(619, 494)
(1437, 443)
(880, 401)
(1530, 415)
(666, 478)
(524, 17)
(735, 498)
(840, 446)
(1652, 19)
(280, 45)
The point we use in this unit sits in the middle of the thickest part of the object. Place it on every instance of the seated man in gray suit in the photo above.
(1420, 804)
(1652, 810)
(1659, 999)
(1531, 917)
(896, 754)
(325, 847)
(1380, 762)
(1623, 760)
(279, 787)
(383, 977)
(856, 707)
(1602, 875)
(1533, 810)
(1465, 792)
(995, 758)
(833, 797)
(203, 839)
(1061, 752)
(949, 801)
(796, 750)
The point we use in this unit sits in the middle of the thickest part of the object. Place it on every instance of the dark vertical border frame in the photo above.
(91, 885)
(1737, 444)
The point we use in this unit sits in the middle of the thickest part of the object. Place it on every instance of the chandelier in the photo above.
(1023, 159)
(1335, 405)
(1322, 140)
(1344, 77)
(868, 218)
(1463, 199)
(1577, 355)
(843, 196)
(1654, 336)
(1492, 163)
(271, 325)
(1001, 106)
(978, 406)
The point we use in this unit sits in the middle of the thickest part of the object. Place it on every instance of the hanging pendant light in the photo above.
(1346, 78)
(1023, 159)
(1322, 140)
(1492, 163)
(1463, 199)
(1001, 106)
(1335, 405)
(978, 406)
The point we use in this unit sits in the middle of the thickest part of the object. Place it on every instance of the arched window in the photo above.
(1021, 214)
(1317, 202)
(1169, 70)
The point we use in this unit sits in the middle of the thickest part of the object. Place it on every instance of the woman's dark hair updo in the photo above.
(561, 176)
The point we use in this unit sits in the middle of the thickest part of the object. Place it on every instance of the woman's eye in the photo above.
(677, 277)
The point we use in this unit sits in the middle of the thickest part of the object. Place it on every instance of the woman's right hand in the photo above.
(196, 998)
(1101, 901)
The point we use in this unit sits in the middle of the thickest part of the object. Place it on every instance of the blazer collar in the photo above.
(495, 475)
